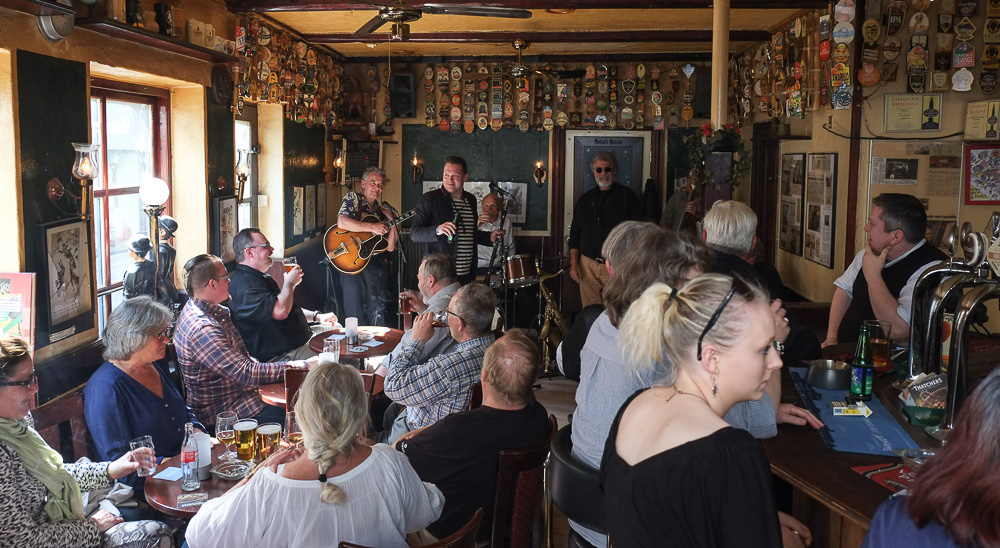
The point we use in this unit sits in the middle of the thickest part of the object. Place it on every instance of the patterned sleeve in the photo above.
(211, 349)
(349, 206)
(90, 475)
(410, 383)
(17, 528)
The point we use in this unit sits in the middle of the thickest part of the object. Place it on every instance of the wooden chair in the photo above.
(293, 381)
(573, 487)
(477, 396)
(62, 425)
(517, 497)
(463, 538)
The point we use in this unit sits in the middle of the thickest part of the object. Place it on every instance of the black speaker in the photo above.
(401, 99)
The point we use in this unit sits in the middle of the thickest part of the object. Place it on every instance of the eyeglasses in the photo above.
(24, 384)
(265, 244)
(453, 314)
(600, 170)
(738, 285)
(225, 276)
(166, 333)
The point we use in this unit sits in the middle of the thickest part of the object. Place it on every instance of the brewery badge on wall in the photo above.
(891, 48)
(988, 81)
(992, 8)
(869, 75)
(916, 83)
(968, 8)
(919, 23)
(946, 6)
(844, 11)
(942, 60)
(939, 81)
(991, 57)
(894, 14)
(965, 29)
(945, 41)
(962, 80)
(964, 55)
(843, 33)
(945, 22)
(991, 32)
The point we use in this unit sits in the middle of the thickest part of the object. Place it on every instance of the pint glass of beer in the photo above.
(878, 332)
(268, 437)
(293, 432)
(246, 431)
(289, 263)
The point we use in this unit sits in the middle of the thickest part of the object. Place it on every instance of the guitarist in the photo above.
(366, 293)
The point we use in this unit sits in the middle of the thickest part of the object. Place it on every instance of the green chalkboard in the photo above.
(304, 154)
(499, 156)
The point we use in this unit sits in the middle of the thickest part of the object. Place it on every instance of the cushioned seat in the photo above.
(573, 487)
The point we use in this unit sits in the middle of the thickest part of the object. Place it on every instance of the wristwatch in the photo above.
(316, 315)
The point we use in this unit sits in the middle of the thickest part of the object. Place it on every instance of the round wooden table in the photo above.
(274, 393)
(388, 336)
(162, 494)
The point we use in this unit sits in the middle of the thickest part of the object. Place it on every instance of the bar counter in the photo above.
(836, 502)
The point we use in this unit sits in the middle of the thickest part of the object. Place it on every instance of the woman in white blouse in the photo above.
(339, 489)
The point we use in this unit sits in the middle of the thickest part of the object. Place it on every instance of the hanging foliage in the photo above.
(725, 139)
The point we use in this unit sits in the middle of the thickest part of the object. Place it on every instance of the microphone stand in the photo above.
(504, 281)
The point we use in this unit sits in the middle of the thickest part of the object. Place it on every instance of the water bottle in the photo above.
(189, 460)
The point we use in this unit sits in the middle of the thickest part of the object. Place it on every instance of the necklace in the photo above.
(678, 391)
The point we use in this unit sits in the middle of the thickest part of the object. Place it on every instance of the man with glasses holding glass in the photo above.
(219, 374)
(366, 292)
(273, 327)
(598, 210)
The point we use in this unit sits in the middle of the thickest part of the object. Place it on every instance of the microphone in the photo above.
(496, 188)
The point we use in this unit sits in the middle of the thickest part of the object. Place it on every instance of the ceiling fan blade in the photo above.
(371, 26)
(480, 11)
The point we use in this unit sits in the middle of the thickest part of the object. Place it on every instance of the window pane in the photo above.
(95, 133)
(99, 242)
(243, 215)
(241, 136)
(127, 220)
(130, 143)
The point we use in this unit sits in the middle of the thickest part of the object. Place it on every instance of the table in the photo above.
(274, 393)
(162, 494)
(836, 502)
(390, 340)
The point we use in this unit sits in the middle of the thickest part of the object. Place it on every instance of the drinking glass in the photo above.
(224, 433)
(440, 319)
(405, 306)
(246, 431)
(293, 432)
(289, 263)
(332, 346)
(878, 334)
(268, 437)
(144, 453)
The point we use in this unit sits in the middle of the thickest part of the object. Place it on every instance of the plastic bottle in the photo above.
(189, 460)
(862, 368)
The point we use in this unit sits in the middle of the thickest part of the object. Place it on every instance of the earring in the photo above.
(715, 386)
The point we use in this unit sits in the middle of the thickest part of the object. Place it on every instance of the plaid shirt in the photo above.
(219, 374)
(439, 387)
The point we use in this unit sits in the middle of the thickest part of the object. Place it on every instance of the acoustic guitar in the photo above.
(349, 252)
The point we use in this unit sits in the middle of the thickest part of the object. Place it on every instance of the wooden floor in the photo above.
(558, 395)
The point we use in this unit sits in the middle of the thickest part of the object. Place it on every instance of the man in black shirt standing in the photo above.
(273, 327)
(445, 220)
(598, 211)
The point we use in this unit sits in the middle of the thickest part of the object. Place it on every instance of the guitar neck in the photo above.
(400, 218)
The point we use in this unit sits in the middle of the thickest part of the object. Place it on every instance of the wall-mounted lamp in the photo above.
(242, 171)
(338, 168)
(539, 173)
(418, 167)
(86, 168)
(154, 193)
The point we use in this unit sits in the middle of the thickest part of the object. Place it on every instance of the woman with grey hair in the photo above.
(339, 489)
(132, 394)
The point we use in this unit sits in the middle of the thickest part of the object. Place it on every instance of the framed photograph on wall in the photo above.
(821, 220)
(66, 290)
(982, 174)
(298, 217)
(224, 227)
(793, 174)
(309, 208)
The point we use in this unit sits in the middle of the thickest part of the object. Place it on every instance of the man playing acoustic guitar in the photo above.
(366, 293)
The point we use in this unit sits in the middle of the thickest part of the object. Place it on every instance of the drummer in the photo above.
(489, 220)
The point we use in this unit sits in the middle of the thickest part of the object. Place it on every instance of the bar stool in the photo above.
(574, 488)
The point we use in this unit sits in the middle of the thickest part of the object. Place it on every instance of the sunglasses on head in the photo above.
(599, 170)
(738, 285)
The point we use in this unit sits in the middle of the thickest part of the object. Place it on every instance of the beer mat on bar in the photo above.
(373, 343)
(191, 499)
(892, 476)
(878, 434)
(172, 473)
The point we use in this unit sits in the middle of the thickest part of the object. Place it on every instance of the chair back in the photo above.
(517, 497)
(572, 486)
(463, 538)
(293, 381)
(476, 399)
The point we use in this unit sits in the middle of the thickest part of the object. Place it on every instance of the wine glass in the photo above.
(225, 433)
(293, 432)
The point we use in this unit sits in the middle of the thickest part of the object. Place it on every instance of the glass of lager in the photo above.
(268, 437)
(293, 432)
(246, 432)
(225, 434)
(878, 333)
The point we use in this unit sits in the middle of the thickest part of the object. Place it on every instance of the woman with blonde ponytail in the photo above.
(674, 472)
(338, 489)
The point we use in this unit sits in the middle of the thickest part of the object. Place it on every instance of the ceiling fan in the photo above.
(520, 70)
(400, 14)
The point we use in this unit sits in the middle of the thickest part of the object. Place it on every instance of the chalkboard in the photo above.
(500, 156)
(304, 153)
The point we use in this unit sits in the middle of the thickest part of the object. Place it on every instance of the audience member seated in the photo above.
(713, 341)
(442, 385)
(437, 284)
(41, 501)
(273, 327)
(460, 452)
(132, 394)
(953, 501)
(219, 375)
(365, 495)
(729, 229)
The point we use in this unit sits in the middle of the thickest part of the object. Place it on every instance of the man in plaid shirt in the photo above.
(219, 374)
(442, 385)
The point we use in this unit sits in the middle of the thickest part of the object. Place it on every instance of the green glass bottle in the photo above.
(862, 368)
(456, 221)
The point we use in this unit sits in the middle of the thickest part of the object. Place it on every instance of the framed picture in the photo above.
(821, 220)
(298, 217)
(793, 174)
(517, 209)
(67, 290)
(982, 174)
(321, 206)
(224, 227)
(310, 208)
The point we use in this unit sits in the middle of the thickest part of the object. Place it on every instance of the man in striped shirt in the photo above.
(445, 220)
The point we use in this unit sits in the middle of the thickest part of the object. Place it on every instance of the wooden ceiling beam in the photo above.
(260, 6)
(545, 37)
(581, 59)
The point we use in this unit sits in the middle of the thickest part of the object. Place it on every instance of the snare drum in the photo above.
(522, 270)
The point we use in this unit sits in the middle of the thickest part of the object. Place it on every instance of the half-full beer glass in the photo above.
(879, 333)
(268, 437)
(246, 432)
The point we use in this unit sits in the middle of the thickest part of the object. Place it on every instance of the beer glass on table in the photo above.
(225, 433)
(293, 432)
(144, 453)
(246, 432)
(268, 437)
(289, 263)
(879, 332)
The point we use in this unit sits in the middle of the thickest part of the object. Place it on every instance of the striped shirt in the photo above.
(218, 373)
(465, 239)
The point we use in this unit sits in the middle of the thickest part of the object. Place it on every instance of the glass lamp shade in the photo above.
(242, 169)
(154, 191)
(86, 165)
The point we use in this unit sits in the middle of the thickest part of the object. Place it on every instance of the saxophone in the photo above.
(554, 327)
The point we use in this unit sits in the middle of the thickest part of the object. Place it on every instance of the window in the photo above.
(131, 128)
(245, 139)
